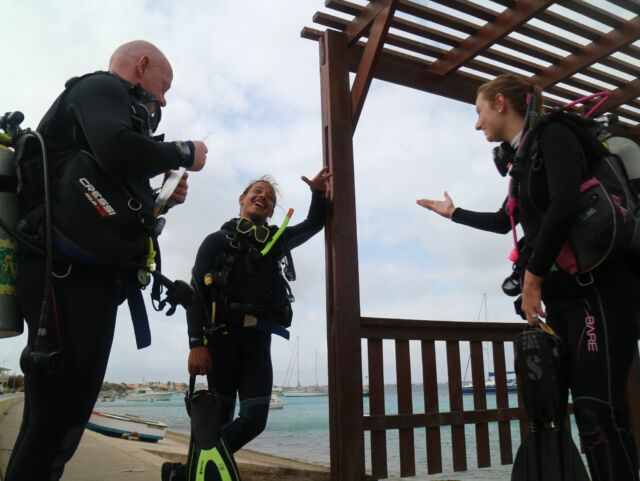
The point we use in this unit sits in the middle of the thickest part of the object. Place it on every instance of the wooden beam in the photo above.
(621, 96)
(631, 131)
(461, 25)
(370, 56)
(579, 28)
(382, 328)
(630, 5)
(590, 54)
(364, 19)
(343, 293)
(412, 72)
(597, 13)
(505, 23)
(428, 49)
(541, 35)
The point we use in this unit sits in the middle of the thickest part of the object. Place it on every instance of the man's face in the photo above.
(156, 78)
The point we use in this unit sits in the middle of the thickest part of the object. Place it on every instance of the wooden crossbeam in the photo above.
(370, 56)
(607, 44)
(504, 23)
(430, 50)
(364, 19)
(470, 8)
(631, 5)
(541, 35)
(412, 72)
(621, 96)
(597, 13)
(586, 31)
(632, 132)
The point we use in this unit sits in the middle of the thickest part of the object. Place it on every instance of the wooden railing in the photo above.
(435, 416)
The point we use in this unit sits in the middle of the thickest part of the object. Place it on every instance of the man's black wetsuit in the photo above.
(595, 315)
(241, 356)
(92, 114)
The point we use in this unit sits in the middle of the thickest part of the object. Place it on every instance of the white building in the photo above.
(4, 378)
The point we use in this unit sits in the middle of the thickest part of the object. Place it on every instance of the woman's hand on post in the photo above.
(199, 361)
(443, 207)
(532, 298)
(321, 181)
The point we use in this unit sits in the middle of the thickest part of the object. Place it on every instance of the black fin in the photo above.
(548, 455)
(209, 457)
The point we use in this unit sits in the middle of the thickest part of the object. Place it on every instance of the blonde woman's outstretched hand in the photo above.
(443, 207)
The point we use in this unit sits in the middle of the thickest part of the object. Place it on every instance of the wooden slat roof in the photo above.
(449, 47)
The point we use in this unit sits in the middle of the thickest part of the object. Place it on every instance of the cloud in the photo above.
(244, 77)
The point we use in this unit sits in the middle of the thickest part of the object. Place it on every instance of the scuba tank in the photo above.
(11, 323)
(629, 153)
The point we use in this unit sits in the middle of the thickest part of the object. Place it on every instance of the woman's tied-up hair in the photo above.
(515, 89)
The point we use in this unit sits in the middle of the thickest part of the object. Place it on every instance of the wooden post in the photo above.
(343, 293)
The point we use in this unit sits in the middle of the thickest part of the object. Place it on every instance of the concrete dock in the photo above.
(103, 458)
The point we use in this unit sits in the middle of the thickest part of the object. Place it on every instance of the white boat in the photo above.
(144, 393)
(490, 384)
(126, 426)
(276, 402)
(306, 391)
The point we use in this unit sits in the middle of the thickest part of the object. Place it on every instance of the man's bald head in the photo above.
(141, 62)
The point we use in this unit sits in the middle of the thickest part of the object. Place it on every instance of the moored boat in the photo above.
(276, 402)
(306, 391)
(126, 426)
(144, 393)
(490, 384)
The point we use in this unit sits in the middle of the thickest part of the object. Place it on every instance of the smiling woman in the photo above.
(241, 276)
(595, 313)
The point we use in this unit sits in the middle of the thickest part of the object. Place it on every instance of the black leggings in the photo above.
(56, 409)
(242, 367)
(599, 323)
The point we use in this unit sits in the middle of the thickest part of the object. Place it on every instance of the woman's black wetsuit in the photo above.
(596, 315)
(241, 356)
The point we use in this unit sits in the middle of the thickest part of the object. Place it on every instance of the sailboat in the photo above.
(490, 384)
(305, 391)
(490, 381)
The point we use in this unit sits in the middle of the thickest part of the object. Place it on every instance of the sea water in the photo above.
(301, 431)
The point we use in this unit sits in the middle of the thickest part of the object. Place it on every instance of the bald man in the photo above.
(99, 133)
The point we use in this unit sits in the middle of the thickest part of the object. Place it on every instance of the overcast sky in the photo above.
(244, 78)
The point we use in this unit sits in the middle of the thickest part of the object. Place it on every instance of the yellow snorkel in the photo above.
(278, 233)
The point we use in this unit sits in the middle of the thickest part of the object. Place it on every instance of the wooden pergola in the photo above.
(570, 48)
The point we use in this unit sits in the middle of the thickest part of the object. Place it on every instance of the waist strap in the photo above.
(237, 319)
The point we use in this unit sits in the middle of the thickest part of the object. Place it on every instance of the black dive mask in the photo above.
(503, 156)
(145, 111)
(145, 108)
